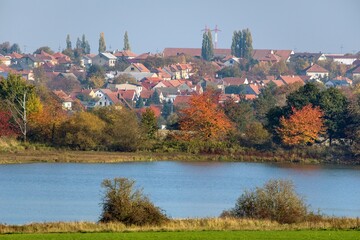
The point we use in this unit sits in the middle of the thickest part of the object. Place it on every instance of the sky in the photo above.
(328, 26)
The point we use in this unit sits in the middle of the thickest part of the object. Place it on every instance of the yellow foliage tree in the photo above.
(302, 127)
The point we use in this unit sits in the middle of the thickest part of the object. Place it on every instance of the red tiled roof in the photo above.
(316, 68)
(16, 55)
(194, 52)
(62, 95)
(145, 94)
(233, 81)
(255, 88)
(127, 94)
(125, 53)
(292, 79)
(155, 109)
(250, 96)
(182, 100)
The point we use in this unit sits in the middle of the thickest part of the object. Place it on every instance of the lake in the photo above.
(72, 192)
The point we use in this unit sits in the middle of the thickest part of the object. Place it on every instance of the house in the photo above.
(228, 97)
(309, 57)
(164, 75)
(137, 67)
(167, 93)
(234, 81)
(129, 95)
(126, 86)
(31, 61)
(287, 80)
(137, 75)
(124, 55)
(86, 61)
(65, 99)
(194, 52)
(182, 101)
(5, 60)
(337, 83)
(104, 59)
(230, 61)
(107, 98)
(316, 72)
(354, 73)
(272, 56)
(346, 59)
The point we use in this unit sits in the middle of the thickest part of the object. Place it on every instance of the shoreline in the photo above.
(71, 156)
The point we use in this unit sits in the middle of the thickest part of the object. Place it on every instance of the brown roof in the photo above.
(140, 67)
(316, 68)
(127, 94)
(182, 100)
(291, 79)
(271, 55)
(16, 55)
(125, 53)
(145, 94)
(62, 95)
(228, 81)
(194, 52)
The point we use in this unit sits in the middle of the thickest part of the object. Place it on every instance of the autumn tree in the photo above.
(7, 129)
(302, 127)
(204, 118)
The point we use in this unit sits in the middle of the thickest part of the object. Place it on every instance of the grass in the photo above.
(189, 235)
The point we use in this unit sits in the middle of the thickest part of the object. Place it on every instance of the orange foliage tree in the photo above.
(204, 118)
(302, 127)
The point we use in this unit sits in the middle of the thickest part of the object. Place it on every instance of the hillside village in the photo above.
(218, 98)
(173, 83)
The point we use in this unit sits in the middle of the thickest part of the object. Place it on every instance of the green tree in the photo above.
(207, 49)
(126, 42)
(155, 98)
(21, 100)
(124, 78)
(45, 49)
(236, 45)
(78, 43)
(15, 48)
(242, 114)
(102, 44)
(85, 46)
(233, 71)
(68, 42)
(122, 202)
(149, 123)
(247, 44)
(139, 102)
(241, 45)
(335, 107)
(265, 101)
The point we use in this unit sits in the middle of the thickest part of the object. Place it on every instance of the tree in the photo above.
(83, 131)
(85, 46)
(302, 127)
(68, 42)
(122, 131)
(139, 102)
(45, 49)
(247, 44)
(255, 134)
(15, 48)
(276, 200)
(96, 82)
(21, 100)
(78, 43)
(207, 49)
(335, 106)
(242, 114)
(265, 101)
(7, 129)
(155, 98)
(126, 42)
(124, 78)
(204, 118)
(122, 202)
(241, 45)
(102, 44)
(149, 123)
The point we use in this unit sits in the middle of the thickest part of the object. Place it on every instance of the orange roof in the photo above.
(292, 79)
(155, 109)
(229, 81)
(145, 94)
(16, 55)
(125, 53)
(62, 95)
(250, 96)
(140, 67)
(316, 68)
(127, 94)
(255, 88)
(182, 100)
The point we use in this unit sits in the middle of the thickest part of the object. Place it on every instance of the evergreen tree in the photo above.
(126, 42)
(139, 103)
(78, 43)
(83, 43)
(168, 109)
(155, 99)
(15, 48)
(207, 50)
(68, 42)
(102, 44)
(149, 123)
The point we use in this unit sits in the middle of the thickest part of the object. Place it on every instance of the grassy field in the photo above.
(209, 235)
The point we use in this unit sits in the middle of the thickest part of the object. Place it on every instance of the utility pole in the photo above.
(216, 30)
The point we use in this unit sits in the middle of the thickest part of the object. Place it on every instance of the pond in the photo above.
(72, 192)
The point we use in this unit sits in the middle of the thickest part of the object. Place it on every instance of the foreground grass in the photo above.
(188, 235)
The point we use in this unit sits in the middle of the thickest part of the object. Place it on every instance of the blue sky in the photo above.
(330, 26)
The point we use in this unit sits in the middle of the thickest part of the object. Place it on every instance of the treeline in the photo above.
(293, 117)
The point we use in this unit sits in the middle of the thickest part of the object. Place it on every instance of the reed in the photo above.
(201, 224)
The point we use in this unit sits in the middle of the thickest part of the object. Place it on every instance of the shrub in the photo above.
(276, 200)
(123, 203)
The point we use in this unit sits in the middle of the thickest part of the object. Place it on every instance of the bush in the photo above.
(276, 200)
(123, 203)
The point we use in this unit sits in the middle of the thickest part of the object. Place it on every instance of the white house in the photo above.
(342, 58)
(104, 59)
(316, 72)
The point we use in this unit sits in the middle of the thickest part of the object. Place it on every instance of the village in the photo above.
(172, 83)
